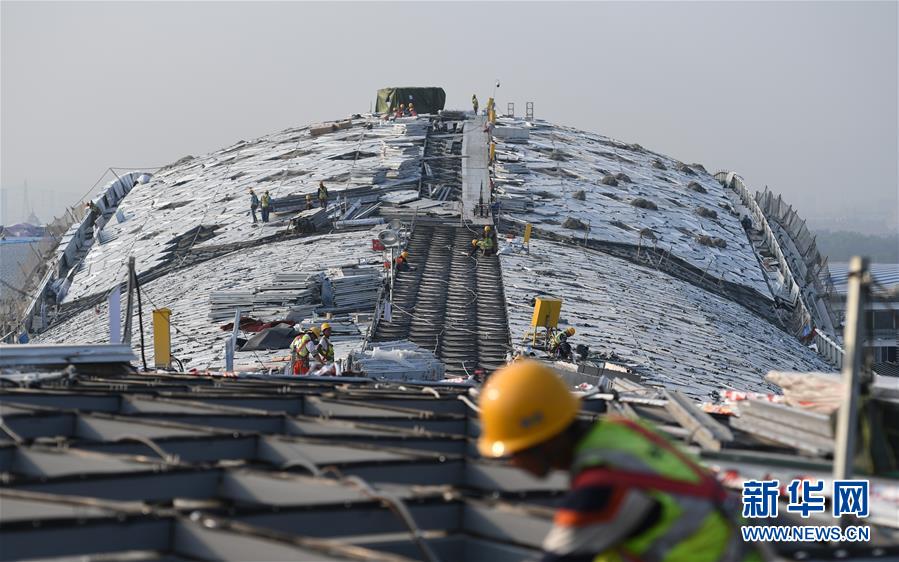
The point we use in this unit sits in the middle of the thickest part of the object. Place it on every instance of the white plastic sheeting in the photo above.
(681, 336)
(557, 162)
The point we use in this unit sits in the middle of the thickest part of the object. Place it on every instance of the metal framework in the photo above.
(181, 467)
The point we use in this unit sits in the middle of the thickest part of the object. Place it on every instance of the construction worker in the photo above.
(302, 348)
(558, 344)
(485, 244)
(265, 204)
(402, 261)
(474, 103)
(254, 204)
(633, 496)
(325, 350)
(412, 111)
(322, 195)
(308, 201)
(93, 212)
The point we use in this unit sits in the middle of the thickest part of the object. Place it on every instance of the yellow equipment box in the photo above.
(546, 313)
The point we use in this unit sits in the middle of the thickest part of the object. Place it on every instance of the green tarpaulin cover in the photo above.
(426, 100)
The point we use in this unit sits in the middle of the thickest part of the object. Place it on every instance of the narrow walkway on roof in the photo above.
(475, 178)
(450, 302)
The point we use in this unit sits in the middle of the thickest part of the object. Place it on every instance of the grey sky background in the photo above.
(799, 96)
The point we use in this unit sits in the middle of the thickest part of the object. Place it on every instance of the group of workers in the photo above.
(322, 197)
(265, 205)
(405, 111)
(313, 345)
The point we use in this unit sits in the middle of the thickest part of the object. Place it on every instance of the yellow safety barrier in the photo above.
(162, 338)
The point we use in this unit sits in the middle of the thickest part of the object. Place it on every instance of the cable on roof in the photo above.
(396, 505)
(166, 457)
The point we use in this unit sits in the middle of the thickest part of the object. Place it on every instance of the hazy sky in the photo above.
(799, 96)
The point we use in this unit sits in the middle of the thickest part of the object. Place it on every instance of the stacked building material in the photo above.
(399, 360)
(309, 220)
(350, 289)
(290, 295)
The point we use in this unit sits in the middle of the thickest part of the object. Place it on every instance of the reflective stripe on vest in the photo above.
(621, 453)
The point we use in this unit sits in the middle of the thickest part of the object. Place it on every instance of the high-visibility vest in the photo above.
(692, 524)
(266, 201)
(327, 350)
(301, 347)
(557, 339)
(322, 192)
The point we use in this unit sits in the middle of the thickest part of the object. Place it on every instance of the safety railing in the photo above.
(829, 349)
(794, 289)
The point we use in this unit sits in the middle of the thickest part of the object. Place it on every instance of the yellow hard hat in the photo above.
(570, 331)
(487, 228)
(474, 242)
(405, 254)
(523, 404)
(326, 326)
(315, 331)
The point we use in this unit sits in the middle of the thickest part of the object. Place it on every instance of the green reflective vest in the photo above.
(300, 346)
(692, 526)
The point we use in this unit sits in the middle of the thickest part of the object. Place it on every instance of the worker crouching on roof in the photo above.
(634, 495)
(402, 261)
(487, 244)
(559, 346)
(302, 349)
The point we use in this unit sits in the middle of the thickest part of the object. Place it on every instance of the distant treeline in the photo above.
(842, 245)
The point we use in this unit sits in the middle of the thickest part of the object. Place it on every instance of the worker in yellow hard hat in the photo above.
(559, 346)
(302, 349)
(324, 350)
(633, 496)
(402, 261)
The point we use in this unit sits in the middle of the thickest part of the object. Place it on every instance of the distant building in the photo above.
(882, 318)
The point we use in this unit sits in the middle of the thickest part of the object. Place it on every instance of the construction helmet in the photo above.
(474, 242)
(487, 228)
(570, 331)
(308, 196)
(326, 326)
(405, 254)
(315, 331)
(522, 405)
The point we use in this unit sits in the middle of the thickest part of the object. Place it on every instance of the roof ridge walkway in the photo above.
(475, 178)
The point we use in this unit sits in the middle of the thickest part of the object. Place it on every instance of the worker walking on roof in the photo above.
(633, 496)
(322, 195)
(559, 346)
(474, 103)
(265, 205)
(308, 201)
(254, 204)
(302, 349)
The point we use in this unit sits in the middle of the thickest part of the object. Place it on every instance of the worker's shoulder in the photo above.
(587, 496)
